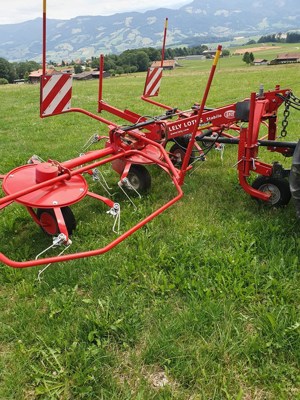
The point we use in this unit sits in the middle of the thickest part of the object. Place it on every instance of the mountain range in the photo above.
(198, 22)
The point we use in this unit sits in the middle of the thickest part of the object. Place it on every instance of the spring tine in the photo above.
(128, 184)
(128, 197)
(57, 241)
(97, 172)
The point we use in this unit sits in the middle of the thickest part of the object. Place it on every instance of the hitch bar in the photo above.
(227, 140)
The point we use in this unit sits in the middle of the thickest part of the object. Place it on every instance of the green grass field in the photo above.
(201, 303)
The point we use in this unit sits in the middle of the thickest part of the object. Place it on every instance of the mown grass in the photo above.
(202, 303)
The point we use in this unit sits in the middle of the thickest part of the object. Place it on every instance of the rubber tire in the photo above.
(294, 179)
(177, 154)
(281, 185)
(139, 178)
(68, 215)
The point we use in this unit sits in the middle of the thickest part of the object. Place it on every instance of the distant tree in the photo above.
(133, 58)
(153, 54)
(25, 67)
(292, 37)
(109, 63)
(7, 70)
(269, 39)
(280, 37)
(225, 53)
(248, 58)
(78, 68)
(143, 61)
(252, 41)
(128, 57)
(21, 69)
(169, 54)
(32, 66)
(3, 81)
(197, 50)
(180, 52)
(119, 71)
(130, 69)
(94, 62)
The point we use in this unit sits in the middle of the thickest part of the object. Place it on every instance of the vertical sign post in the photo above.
(200, 112)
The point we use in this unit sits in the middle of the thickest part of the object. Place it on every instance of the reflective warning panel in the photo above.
(153, 80)
(56, 93)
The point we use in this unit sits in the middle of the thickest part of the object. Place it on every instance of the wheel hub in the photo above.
(273, 191)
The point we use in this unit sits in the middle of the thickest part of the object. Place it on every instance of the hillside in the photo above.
(199, 22)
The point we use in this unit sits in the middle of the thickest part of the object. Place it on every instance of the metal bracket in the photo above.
(115, 211)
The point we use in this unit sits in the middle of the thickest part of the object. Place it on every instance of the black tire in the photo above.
(279, 189)
(49, 223)
(139, 178)
(294, 179)
(177, 154)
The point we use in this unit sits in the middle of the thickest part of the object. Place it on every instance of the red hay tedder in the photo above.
(48, 189)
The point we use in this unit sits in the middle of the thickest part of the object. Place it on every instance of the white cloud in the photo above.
(19, 10)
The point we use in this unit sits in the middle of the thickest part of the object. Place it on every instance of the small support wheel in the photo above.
(49, 223)
(177, 154)
(139, 178)
(278, 189)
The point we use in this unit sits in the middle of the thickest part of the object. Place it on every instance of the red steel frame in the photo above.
(92, 156)
(114, 150)
(155, 134)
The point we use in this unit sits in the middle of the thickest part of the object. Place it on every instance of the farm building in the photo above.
(87, 75)
(19, 81)
(286, 58)
(260, 61)
(34, 76)
(167, 64)
(209, 53)
(192, 57)
(67, 70)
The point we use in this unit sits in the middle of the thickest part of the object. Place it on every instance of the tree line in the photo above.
(290, 37)
(9, 72)
(129, 61)
(138, 60)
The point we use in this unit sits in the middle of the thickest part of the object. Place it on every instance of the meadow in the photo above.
(201, 303)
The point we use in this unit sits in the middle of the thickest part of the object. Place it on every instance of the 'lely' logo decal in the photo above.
(230, 114)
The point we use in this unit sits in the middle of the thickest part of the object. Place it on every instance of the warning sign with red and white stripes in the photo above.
(56, 93)
(153, 80)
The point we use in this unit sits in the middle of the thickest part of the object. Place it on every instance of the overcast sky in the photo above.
(16, 11)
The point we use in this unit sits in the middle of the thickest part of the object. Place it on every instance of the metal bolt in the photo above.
(55, 203)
